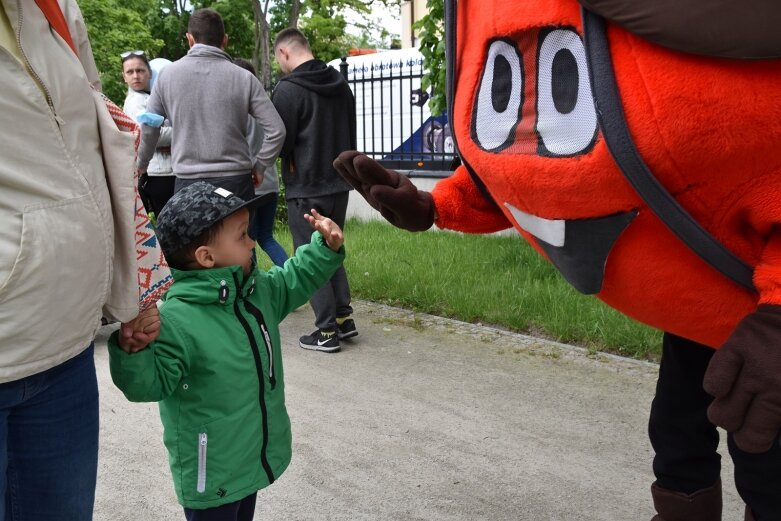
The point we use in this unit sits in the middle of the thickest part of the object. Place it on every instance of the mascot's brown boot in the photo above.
(749, 515)
(702, 505)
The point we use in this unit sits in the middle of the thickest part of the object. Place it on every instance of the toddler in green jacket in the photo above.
(216, 366)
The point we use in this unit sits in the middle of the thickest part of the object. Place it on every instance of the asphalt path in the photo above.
(423, 418)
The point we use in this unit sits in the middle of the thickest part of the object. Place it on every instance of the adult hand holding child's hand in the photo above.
(141, 331)
(330, 230)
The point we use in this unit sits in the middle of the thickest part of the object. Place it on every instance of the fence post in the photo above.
(343, 67)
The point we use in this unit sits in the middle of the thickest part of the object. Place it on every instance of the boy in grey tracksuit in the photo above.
(208, 99)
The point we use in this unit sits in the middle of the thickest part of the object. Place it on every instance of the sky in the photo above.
(390, 19)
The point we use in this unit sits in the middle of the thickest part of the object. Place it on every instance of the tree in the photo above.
(261, 55)
(158, 27)
(295, 12)
(168, 22)
(432, 47)
(114, 28)
(371, 28)
(324, 23)
(238, 19)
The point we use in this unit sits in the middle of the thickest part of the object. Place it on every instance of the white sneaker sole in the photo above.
(323, 349)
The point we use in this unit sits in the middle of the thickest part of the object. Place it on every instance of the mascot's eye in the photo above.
(566, 119)
(498, 103)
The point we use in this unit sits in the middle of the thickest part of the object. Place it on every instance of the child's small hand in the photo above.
(141, 331)
(330, 230)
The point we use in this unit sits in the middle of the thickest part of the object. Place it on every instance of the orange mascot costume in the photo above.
(657, 189)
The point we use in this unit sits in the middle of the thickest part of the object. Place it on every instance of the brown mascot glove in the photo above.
(387, 191)
(745, 378)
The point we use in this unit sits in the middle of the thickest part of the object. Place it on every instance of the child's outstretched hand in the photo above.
(330, 230)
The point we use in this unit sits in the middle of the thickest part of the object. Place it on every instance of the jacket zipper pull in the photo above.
(223, 292)
(267, 340)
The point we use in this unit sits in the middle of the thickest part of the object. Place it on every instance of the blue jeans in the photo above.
(49, 443)
(261, 228)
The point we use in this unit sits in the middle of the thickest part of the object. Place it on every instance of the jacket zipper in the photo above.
(261, 380)
(30, 67)
(200, 487)
(255, 312)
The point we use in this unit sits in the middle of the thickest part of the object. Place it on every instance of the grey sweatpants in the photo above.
(333, 299)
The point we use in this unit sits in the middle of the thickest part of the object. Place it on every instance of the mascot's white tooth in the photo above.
(548, 230)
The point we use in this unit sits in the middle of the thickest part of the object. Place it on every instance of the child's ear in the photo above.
(203, 256)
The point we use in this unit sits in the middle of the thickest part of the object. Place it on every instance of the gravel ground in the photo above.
(424, 418)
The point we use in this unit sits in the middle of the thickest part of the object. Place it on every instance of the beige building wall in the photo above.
(411, 12)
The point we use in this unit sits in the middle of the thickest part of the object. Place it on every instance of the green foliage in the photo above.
(169, 24)
(323, 22)
(326, 35)
(279, 14)
(239, 24)
(158, 27)
(432, 46)
(372, 31)
(113, 27)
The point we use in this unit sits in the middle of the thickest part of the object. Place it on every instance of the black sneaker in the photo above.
(346, 329)
(326, 341)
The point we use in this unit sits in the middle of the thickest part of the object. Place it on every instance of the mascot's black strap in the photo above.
(450, 53)
(450, 88)
(610, 114)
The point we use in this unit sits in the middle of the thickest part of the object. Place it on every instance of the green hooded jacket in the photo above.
(216, 370)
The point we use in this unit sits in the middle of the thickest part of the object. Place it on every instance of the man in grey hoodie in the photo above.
(208, 99)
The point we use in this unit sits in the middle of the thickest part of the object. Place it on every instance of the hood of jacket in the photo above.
(318, 77)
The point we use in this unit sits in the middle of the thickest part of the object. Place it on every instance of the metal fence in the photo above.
(394, 124)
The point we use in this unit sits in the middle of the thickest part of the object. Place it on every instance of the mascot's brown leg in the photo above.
(702, 505)
(749, 515)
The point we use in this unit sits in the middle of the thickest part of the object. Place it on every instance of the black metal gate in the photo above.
(394, 125)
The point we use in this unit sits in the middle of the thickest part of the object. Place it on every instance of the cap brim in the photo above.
(254, 203)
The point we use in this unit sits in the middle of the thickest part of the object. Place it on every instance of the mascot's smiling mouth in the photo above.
(578, 248)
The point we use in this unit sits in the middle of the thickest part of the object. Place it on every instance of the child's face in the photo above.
(233, 245)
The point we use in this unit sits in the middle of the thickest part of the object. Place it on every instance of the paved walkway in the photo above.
(422, 418)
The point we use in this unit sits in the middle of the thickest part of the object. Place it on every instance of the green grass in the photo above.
(494, 280)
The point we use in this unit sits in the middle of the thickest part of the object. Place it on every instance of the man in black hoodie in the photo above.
(318, 109)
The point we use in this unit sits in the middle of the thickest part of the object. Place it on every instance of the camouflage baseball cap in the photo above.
(194, 209)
